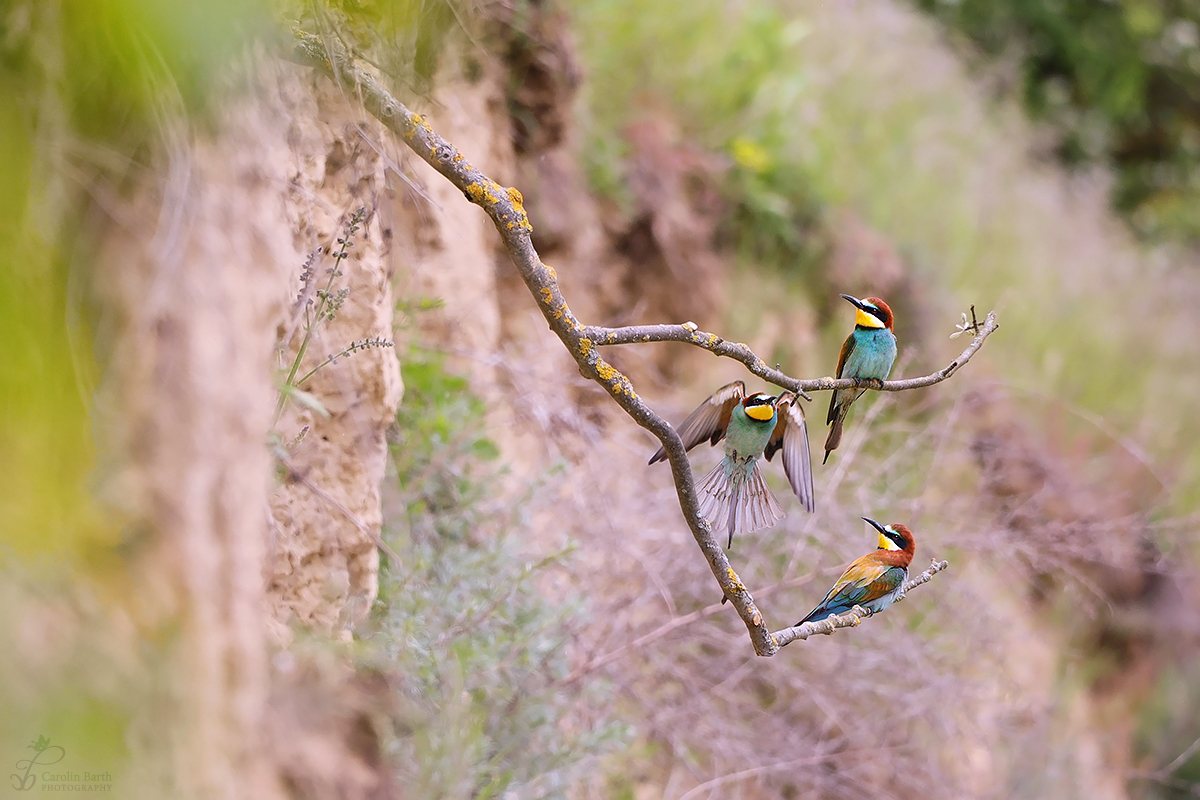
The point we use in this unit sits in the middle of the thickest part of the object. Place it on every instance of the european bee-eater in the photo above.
(873, 581)
(734, 493)
(867, 353)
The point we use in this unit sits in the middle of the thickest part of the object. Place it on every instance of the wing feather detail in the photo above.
(791, 435)
(847, 349)
(709, 420)
(864, 581)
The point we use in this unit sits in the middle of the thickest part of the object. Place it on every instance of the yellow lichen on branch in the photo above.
(613, 377)
(738, 586)
(518, 203)
(483, 191)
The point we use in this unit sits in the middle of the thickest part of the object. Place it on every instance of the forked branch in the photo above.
(504, 206)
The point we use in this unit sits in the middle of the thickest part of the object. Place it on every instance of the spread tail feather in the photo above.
(738, 499)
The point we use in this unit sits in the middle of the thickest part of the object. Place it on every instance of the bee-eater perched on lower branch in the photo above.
(734, 494)
(873, 581)
(868, 352)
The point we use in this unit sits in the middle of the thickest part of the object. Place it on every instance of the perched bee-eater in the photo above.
(734, 494)
(868, 352)
(873, 581)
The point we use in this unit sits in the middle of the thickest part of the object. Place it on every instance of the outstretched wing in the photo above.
(791, 435)
(710, 420)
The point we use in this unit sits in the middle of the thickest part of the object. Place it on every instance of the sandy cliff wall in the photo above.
(198, 273)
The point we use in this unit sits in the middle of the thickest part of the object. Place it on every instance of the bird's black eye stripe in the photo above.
(896, 538)
(876, 312)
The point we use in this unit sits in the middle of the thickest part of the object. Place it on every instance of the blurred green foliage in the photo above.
(89, 87)
(1165, 737)
(719, 71)
(474, 631)
(402, 38)
(1118, 81)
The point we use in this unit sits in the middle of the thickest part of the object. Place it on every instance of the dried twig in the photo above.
(505, 207)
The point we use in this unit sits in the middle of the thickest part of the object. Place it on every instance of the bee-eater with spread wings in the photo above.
(733, 495)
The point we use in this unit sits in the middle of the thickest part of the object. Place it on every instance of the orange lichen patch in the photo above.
(480, 191)
(550, 269)
(514, 196)
(607, 372)
(613, 377)
(547, 296)
(585, 347)
(738, 586)
(415, 121)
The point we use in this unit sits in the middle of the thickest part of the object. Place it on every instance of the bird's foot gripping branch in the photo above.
(584, 342)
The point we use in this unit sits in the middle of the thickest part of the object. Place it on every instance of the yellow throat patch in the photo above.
(886, 544)
(760, 413)
(867, 320)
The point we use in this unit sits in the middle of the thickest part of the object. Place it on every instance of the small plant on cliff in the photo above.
(470, 625)
(315, 306)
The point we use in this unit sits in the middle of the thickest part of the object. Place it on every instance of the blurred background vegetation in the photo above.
(1118, 84)
(476, 645)
(975, 150)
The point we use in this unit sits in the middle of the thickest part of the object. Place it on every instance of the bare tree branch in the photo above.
(690, 334)
(505, 207)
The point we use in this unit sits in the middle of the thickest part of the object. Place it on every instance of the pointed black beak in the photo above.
(859, 304)
(876, 525)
